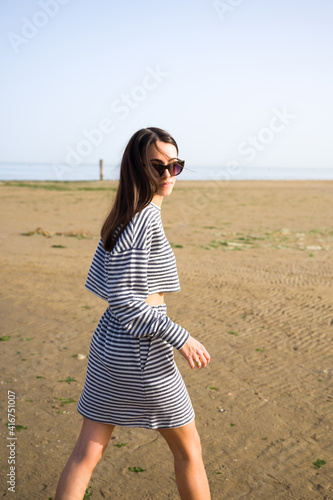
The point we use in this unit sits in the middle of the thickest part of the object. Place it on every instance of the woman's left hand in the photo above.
(195, 353)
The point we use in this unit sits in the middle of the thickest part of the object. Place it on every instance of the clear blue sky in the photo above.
(248, 81)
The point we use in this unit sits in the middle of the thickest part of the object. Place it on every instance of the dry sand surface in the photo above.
(255, 265)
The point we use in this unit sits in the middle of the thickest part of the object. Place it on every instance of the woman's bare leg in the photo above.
(191, 478)
(88, 450)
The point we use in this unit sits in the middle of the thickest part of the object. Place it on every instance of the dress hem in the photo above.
(138, 426)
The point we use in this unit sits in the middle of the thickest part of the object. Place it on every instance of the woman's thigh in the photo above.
(93, 438)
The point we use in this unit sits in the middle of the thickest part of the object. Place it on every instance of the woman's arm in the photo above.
(127, 289)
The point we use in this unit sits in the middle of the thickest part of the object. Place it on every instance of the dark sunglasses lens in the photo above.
(159, 167)
(175, 168)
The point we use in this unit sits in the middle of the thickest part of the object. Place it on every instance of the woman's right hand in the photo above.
(195, 353)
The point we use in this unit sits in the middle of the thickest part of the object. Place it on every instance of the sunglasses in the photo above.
(175, 167)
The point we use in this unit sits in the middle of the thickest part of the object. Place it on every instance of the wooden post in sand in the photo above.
(101, 172)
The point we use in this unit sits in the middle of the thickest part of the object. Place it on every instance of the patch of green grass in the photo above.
(247, 240)
(318, 463)
(280, 239)
(120, 445)
(260, 349)
(18, 428)
(57, 186)
(232, 425)
(27, 339)
(213, 388)
(215, 244)
(66, 401)
(4, 338)
(58, 246)
(136, 469)
(68, 380)
(173, 245)
(39, 376)
(99, 188)
(87, 493)
(232, 333)
(50, 187)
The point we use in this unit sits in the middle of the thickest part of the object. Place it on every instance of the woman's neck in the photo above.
(157, 199)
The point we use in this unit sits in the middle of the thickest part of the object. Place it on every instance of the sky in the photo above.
(245, 82)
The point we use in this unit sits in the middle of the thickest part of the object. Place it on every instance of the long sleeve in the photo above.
(127, 290)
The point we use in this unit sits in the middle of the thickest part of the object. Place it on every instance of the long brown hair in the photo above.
(137, 184)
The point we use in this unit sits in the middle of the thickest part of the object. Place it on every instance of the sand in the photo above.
(255, 265)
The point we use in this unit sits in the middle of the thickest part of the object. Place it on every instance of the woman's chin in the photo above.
(165, 190)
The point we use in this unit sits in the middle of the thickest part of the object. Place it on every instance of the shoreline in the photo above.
(189, 183)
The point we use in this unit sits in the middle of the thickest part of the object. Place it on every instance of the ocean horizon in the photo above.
(90, 172)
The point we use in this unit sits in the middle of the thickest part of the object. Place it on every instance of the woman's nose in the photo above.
(166, 174)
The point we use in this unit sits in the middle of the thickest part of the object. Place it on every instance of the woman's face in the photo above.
(164, 154)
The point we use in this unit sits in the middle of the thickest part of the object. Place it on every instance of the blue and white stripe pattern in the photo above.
(132, 379)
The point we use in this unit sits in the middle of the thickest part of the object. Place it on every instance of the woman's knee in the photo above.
(184, 443)
(89, 453)
(190, 450)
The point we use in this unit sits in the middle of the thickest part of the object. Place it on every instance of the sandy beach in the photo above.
(255, 266)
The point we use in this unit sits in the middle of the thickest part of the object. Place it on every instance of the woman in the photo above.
(132, 379)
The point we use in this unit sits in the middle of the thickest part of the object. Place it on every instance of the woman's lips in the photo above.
(167, 184)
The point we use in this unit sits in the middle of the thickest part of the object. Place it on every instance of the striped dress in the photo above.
(132, 379)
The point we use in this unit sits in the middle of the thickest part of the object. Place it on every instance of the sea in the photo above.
(90, 172)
